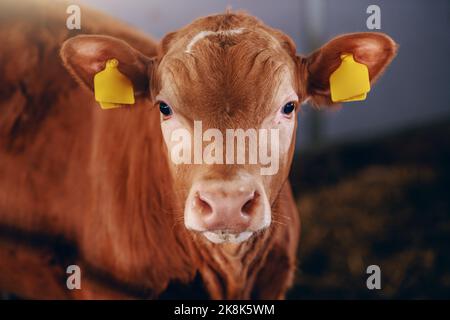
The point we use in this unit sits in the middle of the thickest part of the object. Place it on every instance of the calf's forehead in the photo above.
(227, 71)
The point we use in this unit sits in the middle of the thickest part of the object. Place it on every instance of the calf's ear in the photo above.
(86, 55)
(375, 50)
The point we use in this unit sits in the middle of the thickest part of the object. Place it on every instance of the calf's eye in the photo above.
(165, 109)
(288, 108)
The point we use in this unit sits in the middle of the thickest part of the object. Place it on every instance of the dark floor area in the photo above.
(383, 202)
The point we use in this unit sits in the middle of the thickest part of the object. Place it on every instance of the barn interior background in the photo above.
(371, 179)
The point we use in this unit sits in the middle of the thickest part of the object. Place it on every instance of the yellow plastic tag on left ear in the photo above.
(350, 81)
(112, 88)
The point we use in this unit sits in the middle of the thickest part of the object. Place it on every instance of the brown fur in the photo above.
(98, 182)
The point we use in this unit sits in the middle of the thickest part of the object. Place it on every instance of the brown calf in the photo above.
(100, 188)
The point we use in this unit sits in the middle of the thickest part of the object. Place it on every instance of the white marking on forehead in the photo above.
(203, 34)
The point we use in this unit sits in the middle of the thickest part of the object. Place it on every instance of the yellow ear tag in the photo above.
(111, 87)
(350, 81)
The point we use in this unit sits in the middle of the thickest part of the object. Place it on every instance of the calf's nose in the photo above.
(227, 210)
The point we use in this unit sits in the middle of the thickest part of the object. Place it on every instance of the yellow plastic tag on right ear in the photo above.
(350, 81)
(111, 87)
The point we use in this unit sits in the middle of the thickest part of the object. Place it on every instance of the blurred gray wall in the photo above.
(415, 89)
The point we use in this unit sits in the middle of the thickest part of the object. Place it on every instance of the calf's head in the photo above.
(228, 89)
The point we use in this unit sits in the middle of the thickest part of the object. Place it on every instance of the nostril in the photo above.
(202, 205)
(250, 206)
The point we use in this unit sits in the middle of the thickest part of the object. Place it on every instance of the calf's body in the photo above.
(79, 185)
